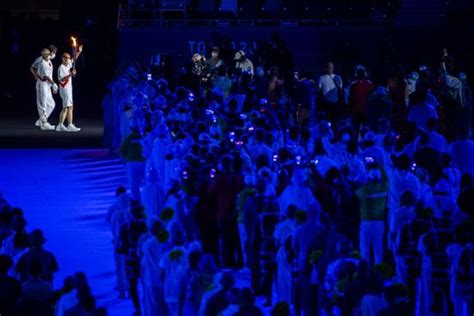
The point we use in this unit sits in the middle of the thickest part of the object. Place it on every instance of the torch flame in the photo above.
(74, 43)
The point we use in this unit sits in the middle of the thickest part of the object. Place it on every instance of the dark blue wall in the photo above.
(376, 47)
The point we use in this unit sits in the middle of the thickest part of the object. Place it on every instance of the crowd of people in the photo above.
(338, 196)
(27, 272)
(321, 190)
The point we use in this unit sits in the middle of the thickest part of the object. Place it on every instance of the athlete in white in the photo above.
(65, 74)
(44, 84)
(44, 88)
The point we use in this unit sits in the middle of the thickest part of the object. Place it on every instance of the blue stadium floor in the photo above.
(66, 193)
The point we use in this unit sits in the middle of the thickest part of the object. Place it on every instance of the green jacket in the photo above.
(373, 198)
(131, 149)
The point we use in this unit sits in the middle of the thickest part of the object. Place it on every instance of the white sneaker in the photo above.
(47, 127)
(61, 128)
(38, 123)
(72, 128)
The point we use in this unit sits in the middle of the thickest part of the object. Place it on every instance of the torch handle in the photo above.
(74, 54)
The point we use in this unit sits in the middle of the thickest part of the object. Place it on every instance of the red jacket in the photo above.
(358, 95)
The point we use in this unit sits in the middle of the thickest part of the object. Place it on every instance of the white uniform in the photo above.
(44, 95)
(65, 87)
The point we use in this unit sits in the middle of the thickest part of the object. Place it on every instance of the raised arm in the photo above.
(79, 51)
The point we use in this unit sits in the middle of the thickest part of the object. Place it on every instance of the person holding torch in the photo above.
(66, 72)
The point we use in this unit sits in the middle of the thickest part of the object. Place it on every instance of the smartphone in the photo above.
(275, 158)
(298, 160)
(212, 173)
(149, 77)
(369, 159)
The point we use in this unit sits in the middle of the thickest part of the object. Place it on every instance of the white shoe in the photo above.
(38, 123)
(61, 128)
(47, 127)
(72, 128)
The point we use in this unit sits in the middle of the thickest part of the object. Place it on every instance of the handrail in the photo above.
(130, 22)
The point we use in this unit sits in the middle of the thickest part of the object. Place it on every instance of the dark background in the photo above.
(27, 26)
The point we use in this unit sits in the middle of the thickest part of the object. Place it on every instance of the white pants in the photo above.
(120, 273)
(153, 303)
(44, 100)
(136, 176)
(371, 237)
(66, 95)
(243, 242)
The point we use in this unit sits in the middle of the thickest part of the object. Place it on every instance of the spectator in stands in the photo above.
(86, 304)
(218, 300)
(37, 255)
(420, 111)
(268, 217)
(461, 150)
(222, 83)
(373, 301)
(151, 272)
(229, 183)
(243, 64)
(117, 215)
(310, 238)
(215, 61)
(330, 88)
(453, 101)
(398, 88)
(373, 198)
(175, 264)
(396, 298)
(35, 290)
(10, 288)
(130, 234)
(247, 304)
(132, 152)
(284, 234)
(359, 92)
(69, 293)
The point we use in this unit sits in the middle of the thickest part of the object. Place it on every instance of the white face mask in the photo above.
(52, 56)
(214, 55)
(346, 137)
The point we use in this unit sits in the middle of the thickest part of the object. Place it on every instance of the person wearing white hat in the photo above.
(66, 72)
(45, 87)
(243, 63)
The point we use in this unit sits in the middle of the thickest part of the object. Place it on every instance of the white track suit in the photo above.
(44, 95)
(65, 88)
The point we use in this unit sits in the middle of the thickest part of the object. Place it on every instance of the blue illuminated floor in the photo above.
(66, 193)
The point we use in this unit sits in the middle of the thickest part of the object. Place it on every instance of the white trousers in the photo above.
(371, 237)
(243, 242)
(66, 95)
(44, 100)
(120, 273)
